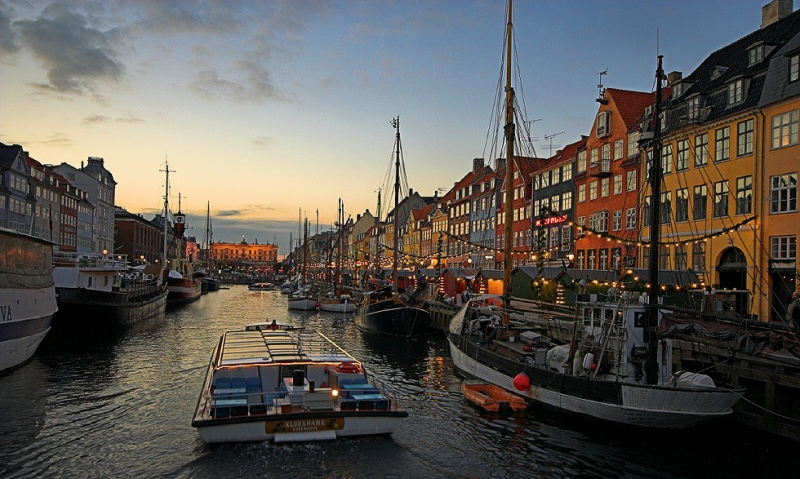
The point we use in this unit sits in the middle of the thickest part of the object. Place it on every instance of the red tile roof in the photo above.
(630, 104)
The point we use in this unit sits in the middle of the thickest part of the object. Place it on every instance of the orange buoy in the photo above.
(522, 381)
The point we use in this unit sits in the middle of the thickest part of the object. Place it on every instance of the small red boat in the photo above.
(491, 398)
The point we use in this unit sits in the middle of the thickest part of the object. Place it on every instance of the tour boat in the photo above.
(261, 287)
(285, 384)
(27, 296)
(491, 398)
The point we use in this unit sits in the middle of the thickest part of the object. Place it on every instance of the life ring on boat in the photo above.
(348, 368)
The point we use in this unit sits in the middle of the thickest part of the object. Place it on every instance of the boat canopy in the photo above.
(276, 346)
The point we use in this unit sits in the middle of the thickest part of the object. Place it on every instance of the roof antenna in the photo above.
(601, 91)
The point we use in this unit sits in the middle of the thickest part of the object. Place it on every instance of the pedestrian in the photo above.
(793, 311)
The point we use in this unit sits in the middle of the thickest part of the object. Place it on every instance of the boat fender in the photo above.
(522, 381)
(588, 361)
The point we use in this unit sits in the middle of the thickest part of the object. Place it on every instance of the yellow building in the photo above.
(716, 141)
(244, 253)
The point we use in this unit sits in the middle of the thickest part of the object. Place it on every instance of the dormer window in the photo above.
(677, 90)
(755, 54)
(736, 91)
(718, 71)
(693, 108)
(794, 68)
(603, 124)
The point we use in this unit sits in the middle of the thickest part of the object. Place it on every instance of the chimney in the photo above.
(477, 164)
(500, 164)
(775, 10)
(410, 192)
(673, 77)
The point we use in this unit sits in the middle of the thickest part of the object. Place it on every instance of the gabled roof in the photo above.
(422, 213)
(8, 153)
(566, 154)
(630, 104)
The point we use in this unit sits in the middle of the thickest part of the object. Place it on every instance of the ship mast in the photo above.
(651, 319)
(396, 125)
(166, 213)
(510, 133)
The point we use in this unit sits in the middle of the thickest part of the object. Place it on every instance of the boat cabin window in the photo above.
(609, 315)
(90, 281)
(587, 316)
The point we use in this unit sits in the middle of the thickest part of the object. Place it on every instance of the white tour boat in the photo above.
(287, 385)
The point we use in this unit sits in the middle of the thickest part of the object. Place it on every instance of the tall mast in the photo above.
(510, 132)
(377, 235)
(166, 213)
(208, 226)
(395, 240)
(651, 319)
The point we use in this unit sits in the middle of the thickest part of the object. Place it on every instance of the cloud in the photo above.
(75, 54)
(91, 120)
(263, 142)
(251, 82)
(130, 119)
(8, 43)
(227, 213)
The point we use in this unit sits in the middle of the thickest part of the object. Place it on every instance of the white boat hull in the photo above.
(337, 307)
(303, 304)
(256, 431)
(27, 315)
(655, 406)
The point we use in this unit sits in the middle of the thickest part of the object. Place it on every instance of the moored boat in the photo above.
(182, 283)
(491, 398)
(332, 303)
(94, 288)
(261, 287)
(27, 296)
(289, 385)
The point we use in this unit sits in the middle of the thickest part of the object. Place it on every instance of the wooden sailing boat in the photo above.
(386, 311)
(210, 280)
(303, 299)
(183, 285)
(338, 300)
(618, 370)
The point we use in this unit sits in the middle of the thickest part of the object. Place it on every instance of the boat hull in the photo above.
(86, 307)
(392, 317)
(183, 291)
(623, 403)
(27, 317)
(491, 398)
(337, 306)
(303, 304)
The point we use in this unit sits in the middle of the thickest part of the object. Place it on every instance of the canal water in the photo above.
(94, 405)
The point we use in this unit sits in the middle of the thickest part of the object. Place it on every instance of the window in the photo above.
(566, 172)
(554, 237)
(630, 218)
(783, 247)
(593, 157)
(721, 199)
(646, 213)
(555, 203)
(545, 179)
(605, 152)
(631, 180)
(755, 55)
(794, 68)
(556, 177)
(566, 237)
(633, 143)
(699, 257)
(591, 262)
(784, 129)
(700, 202)
(744, 195)
(616, 220)
(581, 193)
(604, 187)
(701, 150)
(579, 259)
(581, 161)
(618, 148)
(744, 138)
(666, 159)
(677, 90)
(663, 255)
(783, 193)
(603, 259)
(682, 157)
(566, 201)
(682, 205)
(616, 259)
(603, 124)
(693, 108)
(680, 257)
(599, 221)
(722, 150)
(665, 208)
(736, 91)
(617, 184)
(593, 190)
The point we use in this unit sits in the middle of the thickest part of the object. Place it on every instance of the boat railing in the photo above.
(89, 260)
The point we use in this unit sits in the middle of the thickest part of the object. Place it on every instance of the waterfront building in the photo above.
(460, 213)
(100, 186)
(780, 107)
(715, 200)
(553, 199)
(136, 237)
(71, 198)
(607, 183)
(482, 220)
(16, 201)
(245, 254)
(47, 212)
(439, 238)
(358, 239)
(522, 168)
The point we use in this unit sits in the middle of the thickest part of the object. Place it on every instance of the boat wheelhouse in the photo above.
(289, 385)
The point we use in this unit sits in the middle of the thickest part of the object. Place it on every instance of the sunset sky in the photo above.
(267, 108)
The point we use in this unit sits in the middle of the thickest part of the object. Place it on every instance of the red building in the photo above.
(522, 169)
(607, 186)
